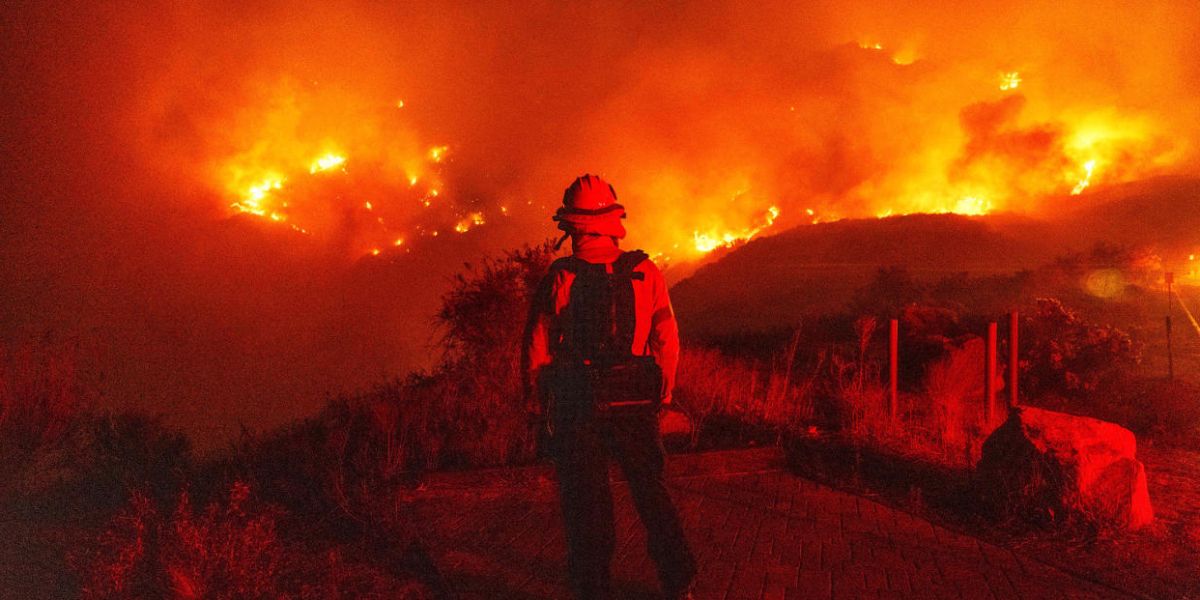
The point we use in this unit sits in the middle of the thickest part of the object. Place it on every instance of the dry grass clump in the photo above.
(228, 550)
(954, 413)
(856, 390)
(719, 391)
(231, 549)
(54, 442)
(940, 422)
(40, 396)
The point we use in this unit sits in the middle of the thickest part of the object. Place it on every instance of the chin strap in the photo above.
(560, 241)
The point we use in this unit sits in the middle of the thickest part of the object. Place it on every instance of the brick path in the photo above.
(758, 532)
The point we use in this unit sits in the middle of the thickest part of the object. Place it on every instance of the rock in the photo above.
(1046, 464)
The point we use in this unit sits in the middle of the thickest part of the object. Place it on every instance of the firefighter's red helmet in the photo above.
(590, 207)
(589, 193)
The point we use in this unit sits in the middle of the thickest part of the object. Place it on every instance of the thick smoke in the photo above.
(130, 129)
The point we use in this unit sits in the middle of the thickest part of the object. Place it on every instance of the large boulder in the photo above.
(1051, 465)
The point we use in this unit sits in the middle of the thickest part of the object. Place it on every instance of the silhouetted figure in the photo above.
(601, 349)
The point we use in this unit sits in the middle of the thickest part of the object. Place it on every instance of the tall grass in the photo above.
(941, 421)
(855, 389)
(40, 395)
(719, 391)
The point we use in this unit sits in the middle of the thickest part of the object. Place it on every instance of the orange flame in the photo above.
(711, 240)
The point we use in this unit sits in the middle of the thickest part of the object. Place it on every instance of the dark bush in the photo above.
(891, 289)
(235, 547)
(1063, 355)
(42, 403)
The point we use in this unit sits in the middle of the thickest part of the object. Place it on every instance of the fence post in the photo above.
(1013, 320)
(989, 375)
(893, 360)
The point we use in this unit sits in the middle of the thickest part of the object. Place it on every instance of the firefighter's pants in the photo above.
(581, 454)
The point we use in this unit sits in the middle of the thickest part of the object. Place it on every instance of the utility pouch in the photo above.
(582, 392)
(633, 386)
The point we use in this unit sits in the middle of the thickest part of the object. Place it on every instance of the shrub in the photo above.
(475, 397)
(732, 396)
(954, 390)
(467, 412)
(888, 291)
(229, 550)
(234, 548)
(41, 398)
(1069, 357)
(853, 384)
(484, 313)
(112, 453)
(54, 444)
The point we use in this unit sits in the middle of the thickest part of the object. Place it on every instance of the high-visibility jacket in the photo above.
(655, 328)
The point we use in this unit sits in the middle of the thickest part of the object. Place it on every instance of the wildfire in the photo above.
(466, 224)
(274, 197)
(972, 205)
(902, 57)
(1088, 167)
(1010, 81)
(326, 163)
(253, 201)
(709, 241)
(981, 152)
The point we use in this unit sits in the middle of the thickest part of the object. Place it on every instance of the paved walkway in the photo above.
(758, 532)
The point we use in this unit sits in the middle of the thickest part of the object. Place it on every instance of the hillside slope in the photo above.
(813, 269)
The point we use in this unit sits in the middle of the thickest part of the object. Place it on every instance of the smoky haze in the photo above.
(129, 131)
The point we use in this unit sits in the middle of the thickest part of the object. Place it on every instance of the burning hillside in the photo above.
(230, 198)
(866, 116)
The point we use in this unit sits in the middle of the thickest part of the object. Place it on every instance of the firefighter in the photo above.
(601, 347)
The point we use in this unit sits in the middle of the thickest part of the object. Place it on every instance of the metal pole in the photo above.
(893, 361)
(1170, 356)
(1013, 320)
(989, 374)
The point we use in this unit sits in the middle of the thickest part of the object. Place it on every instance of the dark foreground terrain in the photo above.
(758, 531)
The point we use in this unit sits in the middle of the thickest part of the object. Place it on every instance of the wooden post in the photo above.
(1013, 365)
(989, 375)
(893, 361)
